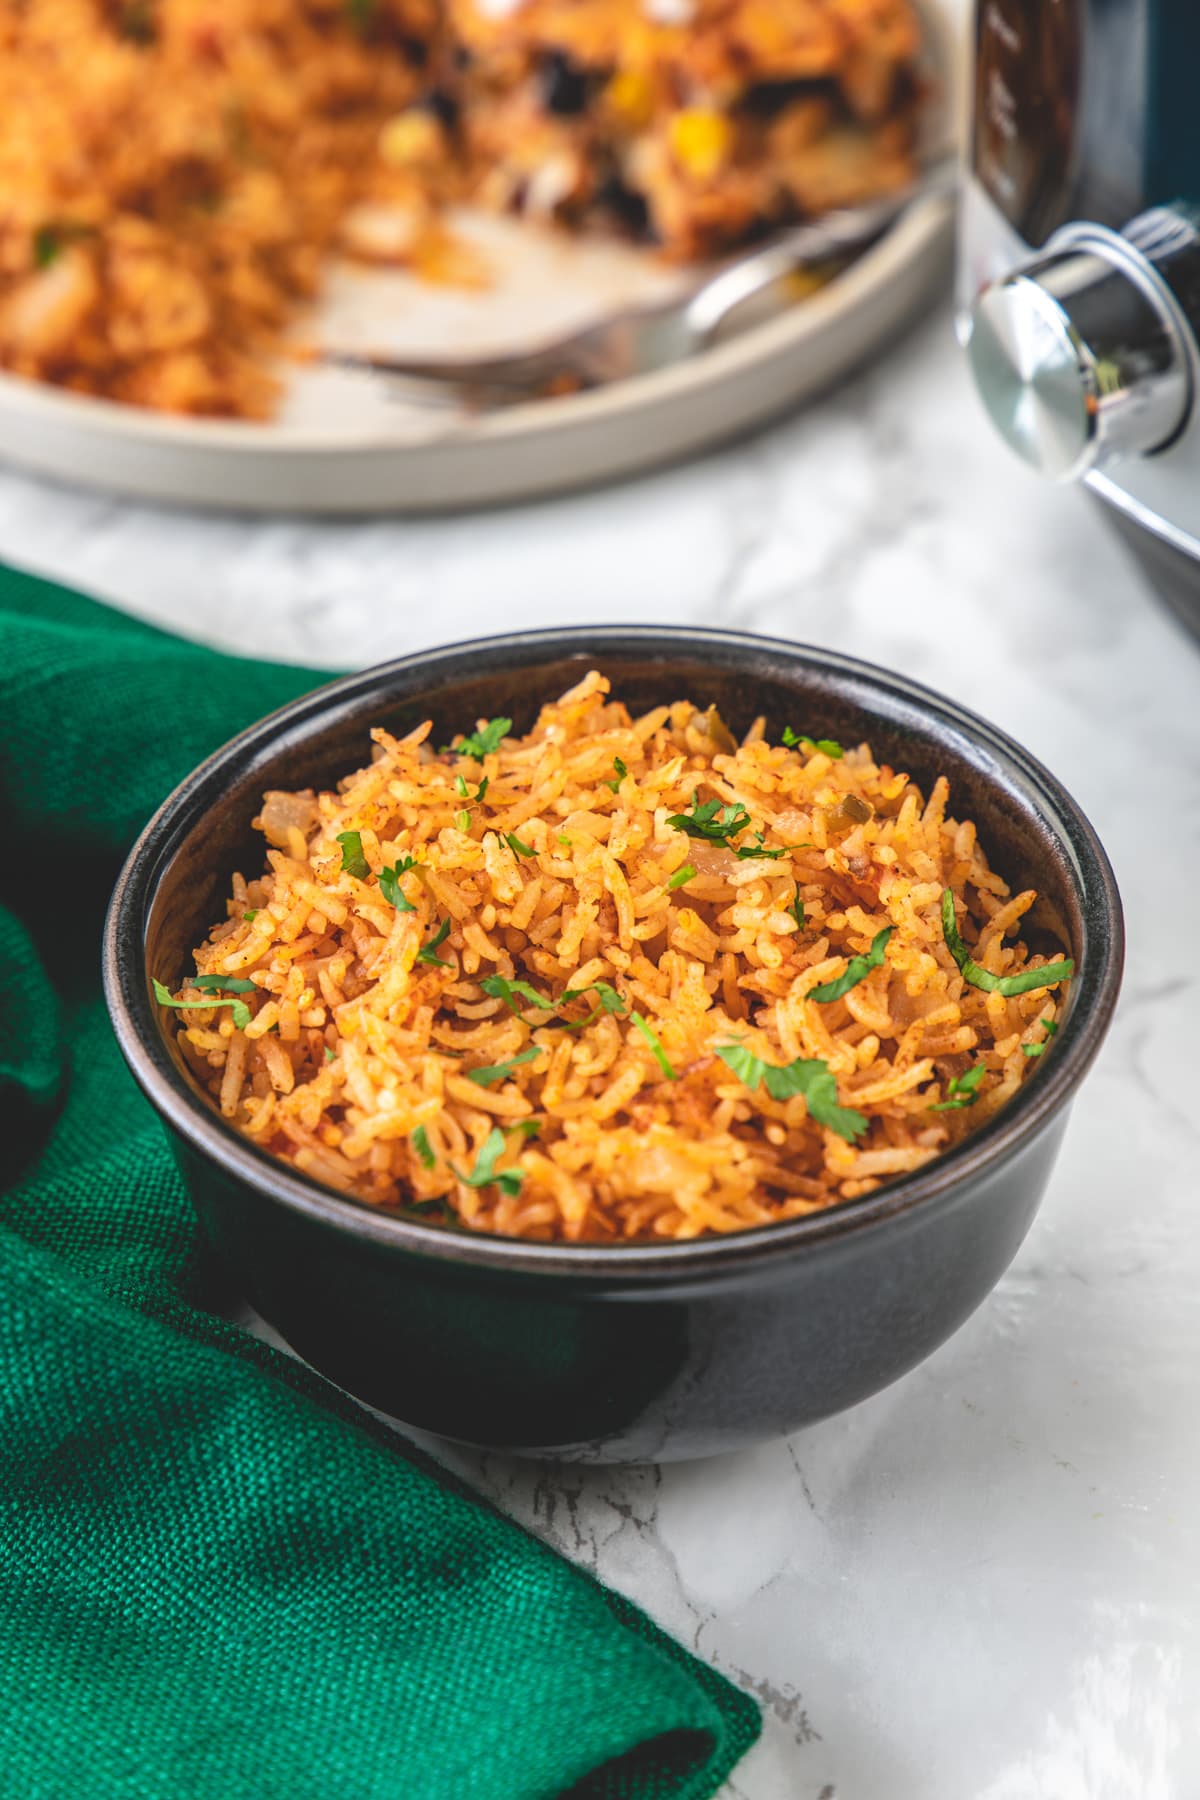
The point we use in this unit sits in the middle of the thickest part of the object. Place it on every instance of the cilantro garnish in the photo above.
(499, 1071)
(251, 915)
(517, 845)
(712, 821)
(50, 240)
(463, 821)
(857, 969)
(500, 989)
(241, 1012)
(460, 786)
(682, 875)
(564, 838)
(797, 911)
(622, 772)
(229, 984)
(610, 1000)
(962, 1091)
(484, 1173)
(526, 1128)
(511, 991)
(353, 861)
(810, 1077)
(481, 743)
(1026, 983)
(758, 848)
(1049, 1027)
(660, 1055)
(329, 1056)
(389, 884)
(425, 953)
(827, 746)
(422, 1146)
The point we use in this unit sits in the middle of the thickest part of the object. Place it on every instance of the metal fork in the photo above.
(638, 339)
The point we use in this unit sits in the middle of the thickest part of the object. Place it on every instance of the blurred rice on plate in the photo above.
(190, 195)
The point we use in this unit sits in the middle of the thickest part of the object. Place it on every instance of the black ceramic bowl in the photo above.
(615, 1353)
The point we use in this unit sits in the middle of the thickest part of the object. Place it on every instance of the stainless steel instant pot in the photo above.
(1079, 282)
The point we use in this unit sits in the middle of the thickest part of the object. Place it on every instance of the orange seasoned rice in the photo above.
(388, 1054)
(177, 175)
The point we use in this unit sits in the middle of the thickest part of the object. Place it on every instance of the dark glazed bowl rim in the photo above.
(1095, 988)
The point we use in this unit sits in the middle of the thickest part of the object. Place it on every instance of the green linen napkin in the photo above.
(217, 1576)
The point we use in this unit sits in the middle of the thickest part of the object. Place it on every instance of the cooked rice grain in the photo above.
(357, 1041)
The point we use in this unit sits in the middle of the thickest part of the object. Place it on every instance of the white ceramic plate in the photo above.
(357, 443)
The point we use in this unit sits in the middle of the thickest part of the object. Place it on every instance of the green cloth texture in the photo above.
(218, 1576)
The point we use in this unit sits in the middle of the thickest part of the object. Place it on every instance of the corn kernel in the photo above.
(409, 139)
(701, 142)
(629, 96)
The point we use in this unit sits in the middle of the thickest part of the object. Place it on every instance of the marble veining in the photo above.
(982, 1584)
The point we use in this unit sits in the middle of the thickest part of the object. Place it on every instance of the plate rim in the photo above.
(913, 234)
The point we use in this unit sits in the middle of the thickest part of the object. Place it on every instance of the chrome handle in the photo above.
(1081, 357)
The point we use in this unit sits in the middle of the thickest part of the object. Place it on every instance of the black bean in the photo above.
(767, 99)
(564, 88)
(627, 207)
(442, 105)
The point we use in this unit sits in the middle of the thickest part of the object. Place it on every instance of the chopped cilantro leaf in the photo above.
(797, 911)
(353, 861)
(517, 846)
(463, 821)
(329, 1056)
(251, 915)
(500, 989)
(422, 1146)
(1027, 982)
(622, 772)
(389, 885)
(229, 984)
(827, 746)
(808, 1076)
(743, 1063)
(712, 821)
(526, 1128)
(660, 1055)
(499, 1071)
(426, 953)
(1049, 1027)
(610, 1000)
(240, 1011)
(857, 969)
(464, 792)
(484, 1173)
(681, 875)
(563, 838)
(481, 743)
(963, 1090)
(758, 848)
(50, 240)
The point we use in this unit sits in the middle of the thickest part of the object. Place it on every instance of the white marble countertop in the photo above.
(983, 1584)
